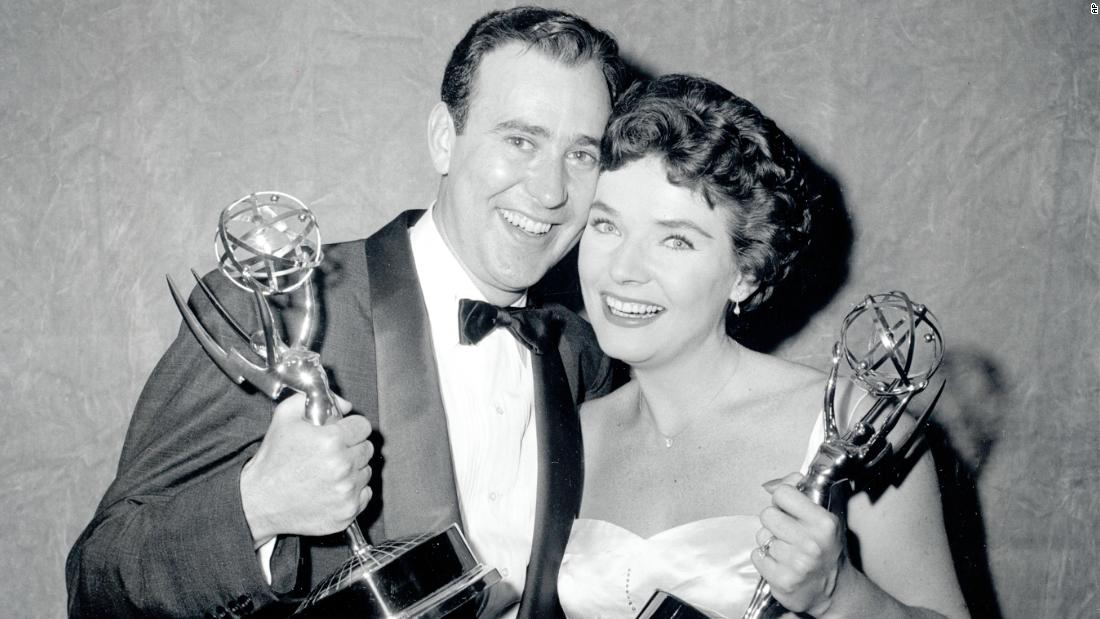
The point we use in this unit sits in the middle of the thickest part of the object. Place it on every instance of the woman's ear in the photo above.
(743, 287)
(441, 137)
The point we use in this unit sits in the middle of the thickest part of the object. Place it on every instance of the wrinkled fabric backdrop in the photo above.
(955, 146)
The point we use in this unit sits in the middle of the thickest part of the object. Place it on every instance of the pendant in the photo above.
(668, 443)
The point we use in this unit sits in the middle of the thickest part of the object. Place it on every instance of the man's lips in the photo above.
(524, 223)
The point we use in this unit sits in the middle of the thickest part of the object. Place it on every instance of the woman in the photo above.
(699, 212)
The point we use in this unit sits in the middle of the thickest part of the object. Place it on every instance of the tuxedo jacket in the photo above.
(169, 537)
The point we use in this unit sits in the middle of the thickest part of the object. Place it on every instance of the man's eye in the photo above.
(521, 143)
(584, 158)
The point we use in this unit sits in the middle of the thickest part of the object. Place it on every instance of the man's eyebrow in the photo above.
(522, 127)
(542, 132)
(587, 140)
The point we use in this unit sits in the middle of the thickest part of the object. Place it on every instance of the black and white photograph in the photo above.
(733, 309)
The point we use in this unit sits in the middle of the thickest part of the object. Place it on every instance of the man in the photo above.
(476, 433)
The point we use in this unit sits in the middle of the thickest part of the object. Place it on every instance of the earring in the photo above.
(736, 308)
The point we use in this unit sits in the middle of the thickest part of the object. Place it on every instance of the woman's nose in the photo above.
(629, 264)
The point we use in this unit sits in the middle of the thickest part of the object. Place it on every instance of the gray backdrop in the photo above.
(957, 143)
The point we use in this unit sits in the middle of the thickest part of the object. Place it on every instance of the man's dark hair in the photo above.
(563, 36)
(724, 149)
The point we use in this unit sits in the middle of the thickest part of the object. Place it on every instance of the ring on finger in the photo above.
(766, 547)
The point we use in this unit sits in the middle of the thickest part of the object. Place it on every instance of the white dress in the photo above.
(609, 572)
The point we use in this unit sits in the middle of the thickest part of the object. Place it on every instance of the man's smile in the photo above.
(524, 223)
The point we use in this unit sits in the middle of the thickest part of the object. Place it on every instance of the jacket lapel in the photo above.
(560, 479)
(418, 485)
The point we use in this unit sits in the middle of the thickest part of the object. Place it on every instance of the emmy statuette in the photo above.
(268, 243)
(893, 346)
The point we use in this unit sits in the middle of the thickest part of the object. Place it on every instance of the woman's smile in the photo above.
(630, 313)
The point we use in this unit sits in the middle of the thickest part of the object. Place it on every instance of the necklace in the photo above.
(668, 439)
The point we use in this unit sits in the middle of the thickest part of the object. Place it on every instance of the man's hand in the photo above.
(306, 479)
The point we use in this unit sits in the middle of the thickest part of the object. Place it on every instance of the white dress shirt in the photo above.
(488, 396)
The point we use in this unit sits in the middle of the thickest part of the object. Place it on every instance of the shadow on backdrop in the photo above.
(966, 424)
(818, 274)
(960, 435)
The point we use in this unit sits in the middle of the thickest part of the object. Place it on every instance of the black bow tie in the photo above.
(535, 328)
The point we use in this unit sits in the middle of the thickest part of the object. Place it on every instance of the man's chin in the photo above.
(508, 277)
(506, 286)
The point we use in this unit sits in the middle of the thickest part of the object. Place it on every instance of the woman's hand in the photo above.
(801, 548)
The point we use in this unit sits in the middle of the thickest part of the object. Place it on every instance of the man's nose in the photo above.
(547, 183)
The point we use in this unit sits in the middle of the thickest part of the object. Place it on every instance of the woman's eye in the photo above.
(602, 226)
(678, 242)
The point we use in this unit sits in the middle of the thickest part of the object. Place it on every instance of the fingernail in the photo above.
(772, 483)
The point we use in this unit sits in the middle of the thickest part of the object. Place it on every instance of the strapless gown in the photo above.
(609, 572)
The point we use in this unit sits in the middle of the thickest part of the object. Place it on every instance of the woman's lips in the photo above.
(628, 312)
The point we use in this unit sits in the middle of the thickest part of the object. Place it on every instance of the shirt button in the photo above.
(504, 572)
(492, 496)
(500, 411)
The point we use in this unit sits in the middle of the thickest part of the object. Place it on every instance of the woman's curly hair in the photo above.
(723, 148)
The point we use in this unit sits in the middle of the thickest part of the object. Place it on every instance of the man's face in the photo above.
(519, 180)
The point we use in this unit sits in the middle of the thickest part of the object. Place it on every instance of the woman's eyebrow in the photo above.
(676, 224)
(597, 205)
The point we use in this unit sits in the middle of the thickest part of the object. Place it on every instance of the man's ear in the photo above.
(441, 137)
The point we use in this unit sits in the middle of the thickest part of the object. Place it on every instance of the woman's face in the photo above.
(656, 266)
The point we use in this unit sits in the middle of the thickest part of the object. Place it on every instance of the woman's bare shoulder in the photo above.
(623, 398)
(776, 375)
